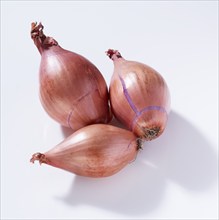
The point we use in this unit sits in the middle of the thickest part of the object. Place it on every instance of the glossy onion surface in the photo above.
(139, 97)
(95, 151)
(72, 89)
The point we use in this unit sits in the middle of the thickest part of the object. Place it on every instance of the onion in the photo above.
(72, 89)
(94, 151)
(139, 97)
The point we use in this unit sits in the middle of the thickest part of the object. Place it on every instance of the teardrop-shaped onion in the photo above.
(96, 151)
(72, 89)
(139, 97)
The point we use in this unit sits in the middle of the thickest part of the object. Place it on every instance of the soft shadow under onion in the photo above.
(182, 155)
(133, 191)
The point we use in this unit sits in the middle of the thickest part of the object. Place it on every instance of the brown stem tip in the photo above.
(112, 52)
(40, 157)
(139, 143)
(39, 37)
(37, 30)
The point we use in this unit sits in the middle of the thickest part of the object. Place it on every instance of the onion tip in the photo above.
(111, 52)
(40, 39)
(40, 157)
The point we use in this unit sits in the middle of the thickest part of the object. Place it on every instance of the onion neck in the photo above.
(114, 55)
(41, 41)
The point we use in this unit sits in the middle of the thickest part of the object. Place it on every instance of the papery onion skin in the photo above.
(94, 151)
(72, 90)
(139, 97)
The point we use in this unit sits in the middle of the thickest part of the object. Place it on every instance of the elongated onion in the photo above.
(96, 151)
(72, 89)
(139, 97)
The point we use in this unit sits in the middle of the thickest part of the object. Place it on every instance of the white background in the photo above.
(175, 176)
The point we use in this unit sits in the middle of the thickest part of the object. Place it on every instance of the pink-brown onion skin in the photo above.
(72, 89)
(139, 97)
(94, 151)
